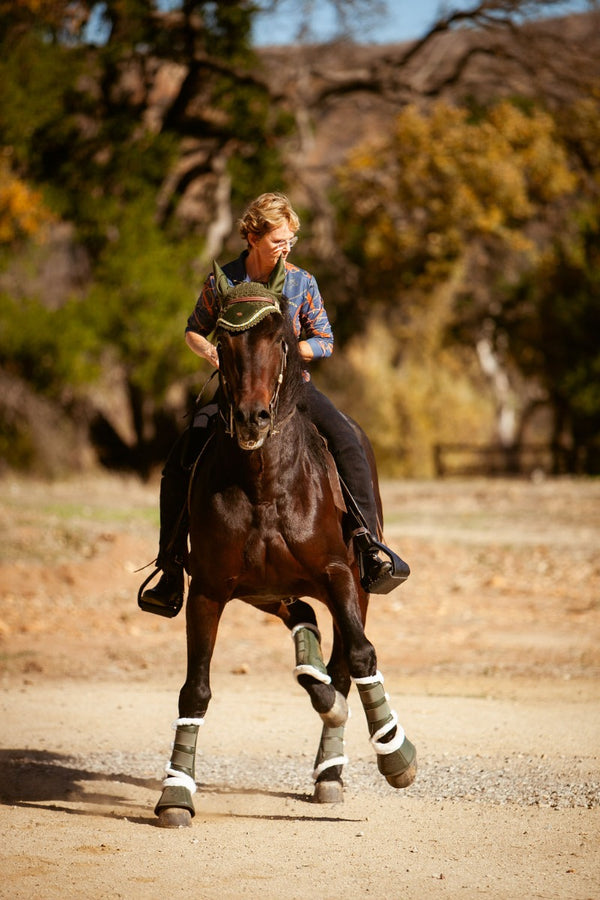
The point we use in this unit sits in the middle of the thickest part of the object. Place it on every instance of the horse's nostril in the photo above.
(264, 416)
(239, 417)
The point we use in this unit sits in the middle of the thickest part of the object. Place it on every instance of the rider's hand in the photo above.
(306, 351)
(212, 356)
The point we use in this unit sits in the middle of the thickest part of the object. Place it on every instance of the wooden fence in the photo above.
(493, 460)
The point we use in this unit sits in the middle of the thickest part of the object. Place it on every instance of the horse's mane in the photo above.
(295, 379)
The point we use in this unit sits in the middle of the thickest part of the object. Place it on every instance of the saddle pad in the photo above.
(333, 477)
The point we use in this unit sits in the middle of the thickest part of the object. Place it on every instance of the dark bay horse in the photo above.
(266, 527)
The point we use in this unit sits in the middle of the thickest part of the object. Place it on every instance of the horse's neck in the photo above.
(269, 470)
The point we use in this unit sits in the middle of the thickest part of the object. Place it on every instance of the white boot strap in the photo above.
(377, 678)
(306, 669)
(328, 763)
(178, 779)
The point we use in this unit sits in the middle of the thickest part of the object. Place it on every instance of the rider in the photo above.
(269, 227)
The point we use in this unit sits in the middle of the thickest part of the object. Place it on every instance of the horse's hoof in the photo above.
(399, 768)
(175, 809)
(338, 714)
(403, 779)
(328, 792)
(174, 817)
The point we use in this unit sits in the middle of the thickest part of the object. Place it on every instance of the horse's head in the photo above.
(253, 355)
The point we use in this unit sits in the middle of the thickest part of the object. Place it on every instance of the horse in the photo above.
(268, 527)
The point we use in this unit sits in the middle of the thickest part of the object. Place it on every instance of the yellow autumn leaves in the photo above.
(22, 210)
(442, 177)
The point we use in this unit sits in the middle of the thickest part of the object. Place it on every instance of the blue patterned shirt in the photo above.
(305, 305)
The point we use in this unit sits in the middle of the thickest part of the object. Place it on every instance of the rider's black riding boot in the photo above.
(166, 598)
(379, 574)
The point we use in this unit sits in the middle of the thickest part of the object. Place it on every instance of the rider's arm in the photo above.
(316, 327)
(202, 322)
(306, 351)
(201, 347)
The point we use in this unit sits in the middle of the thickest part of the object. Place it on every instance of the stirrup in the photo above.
(153, 605)
(387, 580)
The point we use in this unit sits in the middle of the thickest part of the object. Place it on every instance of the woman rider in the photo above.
(269, 227)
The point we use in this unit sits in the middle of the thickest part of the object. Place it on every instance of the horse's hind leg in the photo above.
(310, 670)
(396, 756)
(327, 694)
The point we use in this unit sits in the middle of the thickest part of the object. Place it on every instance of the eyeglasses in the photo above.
(282, 245)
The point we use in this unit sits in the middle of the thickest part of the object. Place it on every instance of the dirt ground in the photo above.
(490, 652)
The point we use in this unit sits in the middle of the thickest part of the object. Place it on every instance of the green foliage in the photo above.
(38, 81)
(140, 300)
(553, 317)
(413, 203)
(50, 349)
(502, 207)
(136, 306)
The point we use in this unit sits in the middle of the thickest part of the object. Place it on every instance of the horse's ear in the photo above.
(277, 278)
(221, 282)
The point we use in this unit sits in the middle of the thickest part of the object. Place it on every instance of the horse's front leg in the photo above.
(175, 808)
(396, 755)
(331, 756)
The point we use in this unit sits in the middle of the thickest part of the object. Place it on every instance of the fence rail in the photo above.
(493, 460)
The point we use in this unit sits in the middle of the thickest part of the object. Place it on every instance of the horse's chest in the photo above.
(261, 536)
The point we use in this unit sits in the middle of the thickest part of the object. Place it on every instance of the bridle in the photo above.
(273, 403)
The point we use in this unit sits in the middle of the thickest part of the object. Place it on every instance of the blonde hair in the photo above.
(266, 213)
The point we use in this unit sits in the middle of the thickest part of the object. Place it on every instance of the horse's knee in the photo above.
(362, 660)
(299, 611)
(322, 696)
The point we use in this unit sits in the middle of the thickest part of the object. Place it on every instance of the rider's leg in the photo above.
(167, 596)
(353, 467)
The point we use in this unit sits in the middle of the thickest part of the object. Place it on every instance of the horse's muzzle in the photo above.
(252, 429)
(249, 444)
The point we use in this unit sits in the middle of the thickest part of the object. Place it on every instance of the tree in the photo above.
(77, 121)
(552, 314)
(477, 200)
(150, 132)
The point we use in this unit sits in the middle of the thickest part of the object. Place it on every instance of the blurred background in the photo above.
(445, 163)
